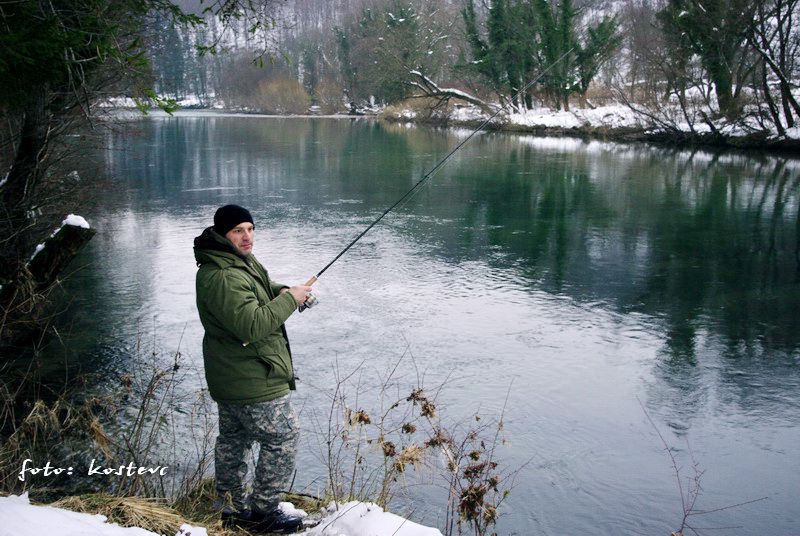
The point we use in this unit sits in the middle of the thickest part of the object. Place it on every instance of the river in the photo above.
(587, 287)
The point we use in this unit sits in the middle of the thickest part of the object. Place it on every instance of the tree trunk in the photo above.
(723, 85)
(17, 200)
(19, 191)
(773, 109)
(786, 93)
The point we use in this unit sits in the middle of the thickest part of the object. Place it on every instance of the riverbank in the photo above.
(21, 518)
(616, 122)
(609, 123)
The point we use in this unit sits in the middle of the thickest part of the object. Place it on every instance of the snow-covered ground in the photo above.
(609, 117)
(20, 518)
(615, 116)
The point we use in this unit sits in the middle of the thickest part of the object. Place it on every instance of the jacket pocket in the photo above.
(278, 369)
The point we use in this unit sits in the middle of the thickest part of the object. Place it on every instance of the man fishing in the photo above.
(248, 367)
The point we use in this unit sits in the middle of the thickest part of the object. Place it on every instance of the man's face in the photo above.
(242, 237)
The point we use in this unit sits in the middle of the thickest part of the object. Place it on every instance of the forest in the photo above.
(679, 64)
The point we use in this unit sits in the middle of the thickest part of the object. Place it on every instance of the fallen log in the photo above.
(429, 88)
(51, 257)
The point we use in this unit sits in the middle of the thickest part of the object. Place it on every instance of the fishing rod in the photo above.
(425, 177)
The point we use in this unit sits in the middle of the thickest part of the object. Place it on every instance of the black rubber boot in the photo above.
(235, 519)
(275, 521)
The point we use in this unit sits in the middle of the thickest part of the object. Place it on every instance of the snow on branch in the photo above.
(429, 88)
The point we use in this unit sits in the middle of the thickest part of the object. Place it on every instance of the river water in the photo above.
(582, 285)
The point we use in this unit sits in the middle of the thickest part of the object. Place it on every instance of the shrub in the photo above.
(281, 96)
(329, 96)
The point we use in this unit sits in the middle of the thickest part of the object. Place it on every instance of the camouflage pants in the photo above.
(274, 426)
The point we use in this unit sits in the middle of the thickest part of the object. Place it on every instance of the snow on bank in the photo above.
(366, 519)
(21, 518)
(615, 116)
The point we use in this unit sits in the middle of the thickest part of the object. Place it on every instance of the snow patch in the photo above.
(366, 519)
(291, 510)
(188, 530)
(77, 221)
(21, 518)
(39, 247)
(468, 113)
(614, 116)
(117, 102)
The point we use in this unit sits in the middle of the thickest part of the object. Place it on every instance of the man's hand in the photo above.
(299, 293)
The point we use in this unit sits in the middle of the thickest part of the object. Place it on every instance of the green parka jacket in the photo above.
(245, 348)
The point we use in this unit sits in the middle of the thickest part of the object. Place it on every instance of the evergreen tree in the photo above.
(557, 42)
(379, 50)
(308, 59)
(526, 36)
(717, 31)
(506, 58)
(483, 56)
(600, 44)
(348, 71)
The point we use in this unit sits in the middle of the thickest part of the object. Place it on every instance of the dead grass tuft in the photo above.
(150, 514)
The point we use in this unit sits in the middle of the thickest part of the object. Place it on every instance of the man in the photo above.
(248, 366)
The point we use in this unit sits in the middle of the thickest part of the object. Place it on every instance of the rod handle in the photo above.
(310, 282)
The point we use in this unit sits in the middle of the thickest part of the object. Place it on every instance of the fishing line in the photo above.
(436, 168)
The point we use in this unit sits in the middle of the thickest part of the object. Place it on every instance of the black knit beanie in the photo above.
(229, 216)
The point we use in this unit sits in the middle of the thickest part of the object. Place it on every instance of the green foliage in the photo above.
(524, 37)
(61, 45)
(308, 59)
(716, 31)
(378, 50)
(557, 46)
(601, 43)
(506, 58)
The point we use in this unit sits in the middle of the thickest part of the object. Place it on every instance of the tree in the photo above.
(506, 57)
(558, 45)
(776, 39)
(717, 32)
(384, 43)
(56, 56)
(601, 43)
(526, 36)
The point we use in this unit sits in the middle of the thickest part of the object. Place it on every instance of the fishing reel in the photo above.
(310, 302)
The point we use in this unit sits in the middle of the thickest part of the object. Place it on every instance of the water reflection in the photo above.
(707, 245)
(589, 273)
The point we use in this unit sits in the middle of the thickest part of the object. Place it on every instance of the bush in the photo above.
(329, 96)
(372, 451)
(282, 96)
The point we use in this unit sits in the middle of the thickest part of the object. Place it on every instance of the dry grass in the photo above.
(151, 514)
(282, 96)
(424, 108)
(155, 515)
